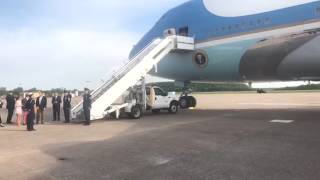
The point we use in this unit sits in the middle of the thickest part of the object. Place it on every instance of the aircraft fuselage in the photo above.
(281, 44)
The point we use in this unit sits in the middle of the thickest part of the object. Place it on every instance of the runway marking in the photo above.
(158, 161)
(282, 121)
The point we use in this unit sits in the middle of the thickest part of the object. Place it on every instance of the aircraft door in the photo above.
(169, 32)
(184, 31)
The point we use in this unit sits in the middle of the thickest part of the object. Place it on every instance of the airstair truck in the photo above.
(130, 74)
(140, 99)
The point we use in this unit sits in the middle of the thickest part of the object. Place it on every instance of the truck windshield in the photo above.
(159, 92)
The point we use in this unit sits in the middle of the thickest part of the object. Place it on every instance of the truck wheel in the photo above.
(155, 111)
(135, 112)
(174, 107)
(184, 102)
(192, 101)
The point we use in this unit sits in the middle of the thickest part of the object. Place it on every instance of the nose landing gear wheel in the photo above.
(187, 102)
(192, 101)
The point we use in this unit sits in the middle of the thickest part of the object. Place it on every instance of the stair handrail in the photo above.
(125, 67)
(121, 70)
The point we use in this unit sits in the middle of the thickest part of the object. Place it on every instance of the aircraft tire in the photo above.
(192, 101)
(184, 102)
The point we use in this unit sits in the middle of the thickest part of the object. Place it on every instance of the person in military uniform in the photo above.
(67, 106)
(31, 112)
(56, 104)
(87, 106)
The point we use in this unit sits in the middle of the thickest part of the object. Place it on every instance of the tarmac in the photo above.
(227, 137)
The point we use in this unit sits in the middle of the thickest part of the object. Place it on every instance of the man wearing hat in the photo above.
(31, 114)
(67, 106)
(87, 106)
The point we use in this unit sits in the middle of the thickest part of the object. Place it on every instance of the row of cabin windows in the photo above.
(249, 24)
(243, 25)
(184, 30)
(258, 22)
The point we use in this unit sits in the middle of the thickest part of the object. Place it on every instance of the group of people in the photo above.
(24, 110)
(29, 109)
(56, 106)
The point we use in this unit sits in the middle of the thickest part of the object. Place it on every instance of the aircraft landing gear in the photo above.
(187, 101)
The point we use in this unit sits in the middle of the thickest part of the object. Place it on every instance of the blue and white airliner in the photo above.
(281, 44)
(271, 41)
(231, 41)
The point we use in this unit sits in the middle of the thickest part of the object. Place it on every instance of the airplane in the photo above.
(276, 41)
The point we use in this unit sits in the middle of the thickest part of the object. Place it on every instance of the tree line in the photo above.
(204, 87)
(20, 91)
(170, 86)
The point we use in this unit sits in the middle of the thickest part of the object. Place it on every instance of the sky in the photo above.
(77, 43)
(70, 43)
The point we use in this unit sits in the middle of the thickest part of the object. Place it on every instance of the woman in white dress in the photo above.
(19, 112)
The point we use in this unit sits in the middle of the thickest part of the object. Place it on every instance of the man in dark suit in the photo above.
(56, 102)
(31, 114)
(67, 106)
(41, 104)
(1, 104)
(87, 106)
(10, 106)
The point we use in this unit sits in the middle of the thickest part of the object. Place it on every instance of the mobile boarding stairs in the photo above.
(131, 73)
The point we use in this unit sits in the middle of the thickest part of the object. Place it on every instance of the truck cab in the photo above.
(158, 99)
(138, 100)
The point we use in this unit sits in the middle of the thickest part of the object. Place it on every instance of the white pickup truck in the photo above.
(136, 101)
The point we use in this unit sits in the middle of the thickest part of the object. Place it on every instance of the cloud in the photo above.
(84, 14)
(60, 58)
(58, 43)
